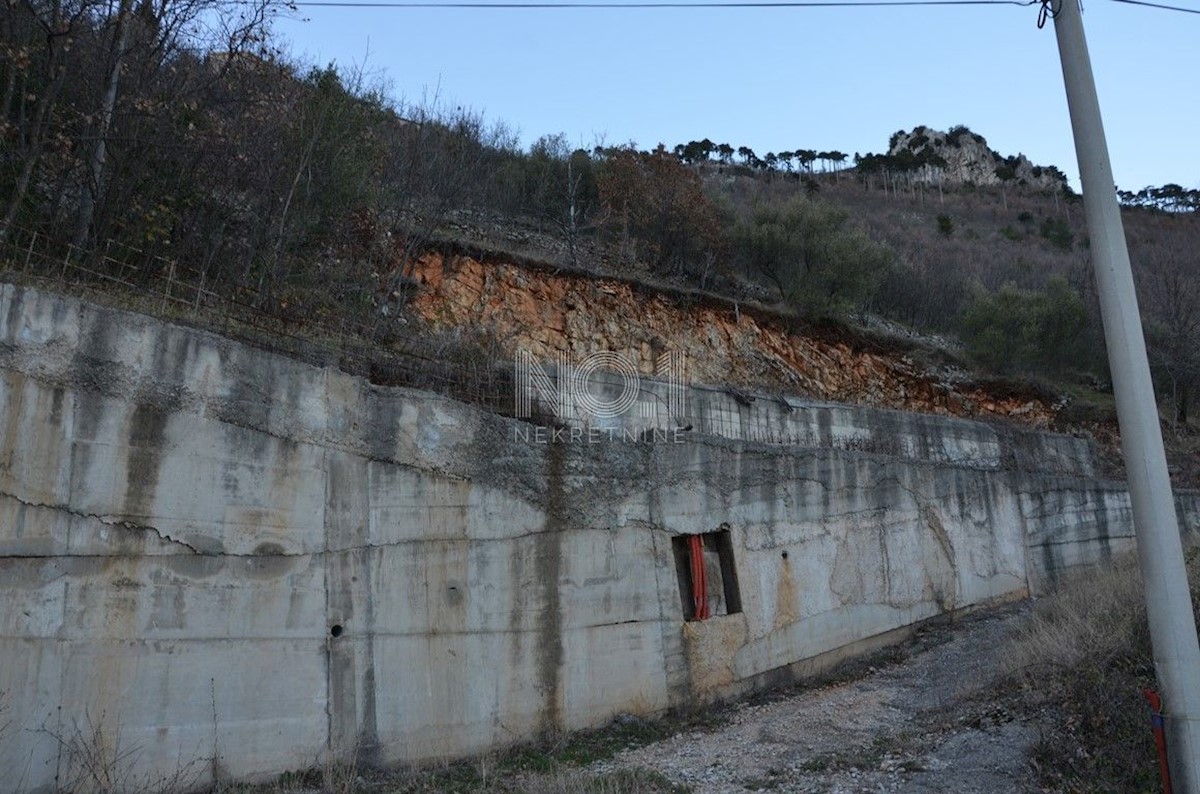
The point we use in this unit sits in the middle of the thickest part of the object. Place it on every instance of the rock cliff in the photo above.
(962, 156)
(547, 314)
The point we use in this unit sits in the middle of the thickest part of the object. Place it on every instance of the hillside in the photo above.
(262, 333)
(307, 200)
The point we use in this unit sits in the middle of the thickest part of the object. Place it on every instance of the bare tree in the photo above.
(435, 163)
(1170, 282)
(85, 80)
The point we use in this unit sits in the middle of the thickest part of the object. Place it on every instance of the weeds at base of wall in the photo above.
(331, 777)
(1079, 666)
(619, 782)
(341, 777)
(94, 759)
(565, 780)
(625, 732)
(473, 777)
(557, 765)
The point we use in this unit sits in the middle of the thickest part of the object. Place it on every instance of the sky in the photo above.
(787, 78)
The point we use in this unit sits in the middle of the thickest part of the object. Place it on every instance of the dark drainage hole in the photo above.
(784, 555)
(336, 630)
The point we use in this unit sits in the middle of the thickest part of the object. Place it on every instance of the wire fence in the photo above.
(379, 346)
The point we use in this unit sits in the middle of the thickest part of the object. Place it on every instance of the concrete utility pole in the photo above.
(1168, 604)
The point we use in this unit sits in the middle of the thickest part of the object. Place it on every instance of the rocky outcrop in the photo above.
(549, 314)
(964, 157)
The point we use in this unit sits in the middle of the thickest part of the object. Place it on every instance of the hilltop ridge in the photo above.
(960, 156)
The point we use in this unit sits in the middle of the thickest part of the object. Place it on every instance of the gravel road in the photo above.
(922, 721)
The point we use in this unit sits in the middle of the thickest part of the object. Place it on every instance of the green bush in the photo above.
(807, 251)
(1021, 330)
(945, 225)
(1058, 232)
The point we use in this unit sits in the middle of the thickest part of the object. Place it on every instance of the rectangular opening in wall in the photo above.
(706, 573)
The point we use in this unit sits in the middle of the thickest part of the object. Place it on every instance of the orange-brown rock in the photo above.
(547, 314)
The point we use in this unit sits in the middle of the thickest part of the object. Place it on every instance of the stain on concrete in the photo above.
(942, 576)
(196, 567)
(461, 612)
(787, 602)
(548, 566)
(147, 440)
(168, 608)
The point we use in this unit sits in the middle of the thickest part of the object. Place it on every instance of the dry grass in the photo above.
(95, 758)
(487, 774)
(1080, 666)
(559, 764)
(1091, 614)
(573, 781)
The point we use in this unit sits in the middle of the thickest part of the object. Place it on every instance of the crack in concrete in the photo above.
(1080, 541)
(110, 520)
(107, 520)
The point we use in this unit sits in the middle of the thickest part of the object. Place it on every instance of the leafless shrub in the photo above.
(96, 760)
(340, 776)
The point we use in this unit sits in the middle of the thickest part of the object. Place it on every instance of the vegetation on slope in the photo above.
(178, 131)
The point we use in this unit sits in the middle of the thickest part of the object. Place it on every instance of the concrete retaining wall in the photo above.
(219, 559)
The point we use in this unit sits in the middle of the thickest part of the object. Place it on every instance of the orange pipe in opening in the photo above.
(699, 582)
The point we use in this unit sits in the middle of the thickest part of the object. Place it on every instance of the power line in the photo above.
(1159, 5)
(567, 4)
(618, 5)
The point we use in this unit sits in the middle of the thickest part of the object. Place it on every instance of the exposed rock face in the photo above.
(969, 159)
(549, 314)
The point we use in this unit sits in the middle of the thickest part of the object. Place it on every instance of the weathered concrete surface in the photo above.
(234, 561)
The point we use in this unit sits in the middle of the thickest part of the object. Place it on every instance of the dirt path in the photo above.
(922, 724)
